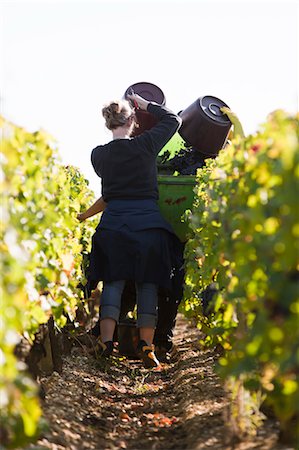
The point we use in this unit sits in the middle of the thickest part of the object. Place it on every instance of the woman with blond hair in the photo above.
(132, 241)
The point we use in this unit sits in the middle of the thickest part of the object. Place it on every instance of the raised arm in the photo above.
(168, 124)
(98, 206)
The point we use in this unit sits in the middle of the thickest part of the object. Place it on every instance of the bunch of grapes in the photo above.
(185, 162)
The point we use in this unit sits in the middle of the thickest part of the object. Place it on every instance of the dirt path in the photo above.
(119, 405)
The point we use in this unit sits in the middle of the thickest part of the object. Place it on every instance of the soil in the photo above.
(117, 404)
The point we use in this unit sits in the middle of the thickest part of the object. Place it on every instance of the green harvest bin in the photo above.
(176, 195)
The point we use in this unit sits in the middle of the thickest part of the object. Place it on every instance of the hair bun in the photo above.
(116, 113)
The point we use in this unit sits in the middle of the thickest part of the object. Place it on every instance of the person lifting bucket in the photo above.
(152, 93)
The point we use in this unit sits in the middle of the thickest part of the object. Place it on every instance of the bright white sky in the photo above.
(62, 60)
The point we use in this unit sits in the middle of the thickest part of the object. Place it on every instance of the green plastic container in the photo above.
(176, 195)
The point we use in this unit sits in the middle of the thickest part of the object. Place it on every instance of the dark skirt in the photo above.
(133, 242)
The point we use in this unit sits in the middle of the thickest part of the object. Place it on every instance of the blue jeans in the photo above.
(146, 299)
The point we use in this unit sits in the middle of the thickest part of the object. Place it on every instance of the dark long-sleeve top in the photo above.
(127, 167)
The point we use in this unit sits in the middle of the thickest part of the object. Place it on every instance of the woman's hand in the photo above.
(81, 217)
(138, 101)
(98, 206)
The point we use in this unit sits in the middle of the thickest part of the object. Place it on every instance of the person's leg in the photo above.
(167, 309)
(110, 308)
(147, 310)
(168, 305)
(147, 305)
(167, 312)
(107, 327)
(128, 301)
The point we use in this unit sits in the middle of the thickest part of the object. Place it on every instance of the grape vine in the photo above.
(42, 245)
(245, 249)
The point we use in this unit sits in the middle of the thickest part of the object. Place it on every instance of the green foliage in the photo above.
(42, 244)
(172, 147)
(246, 228)
(167, 153)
